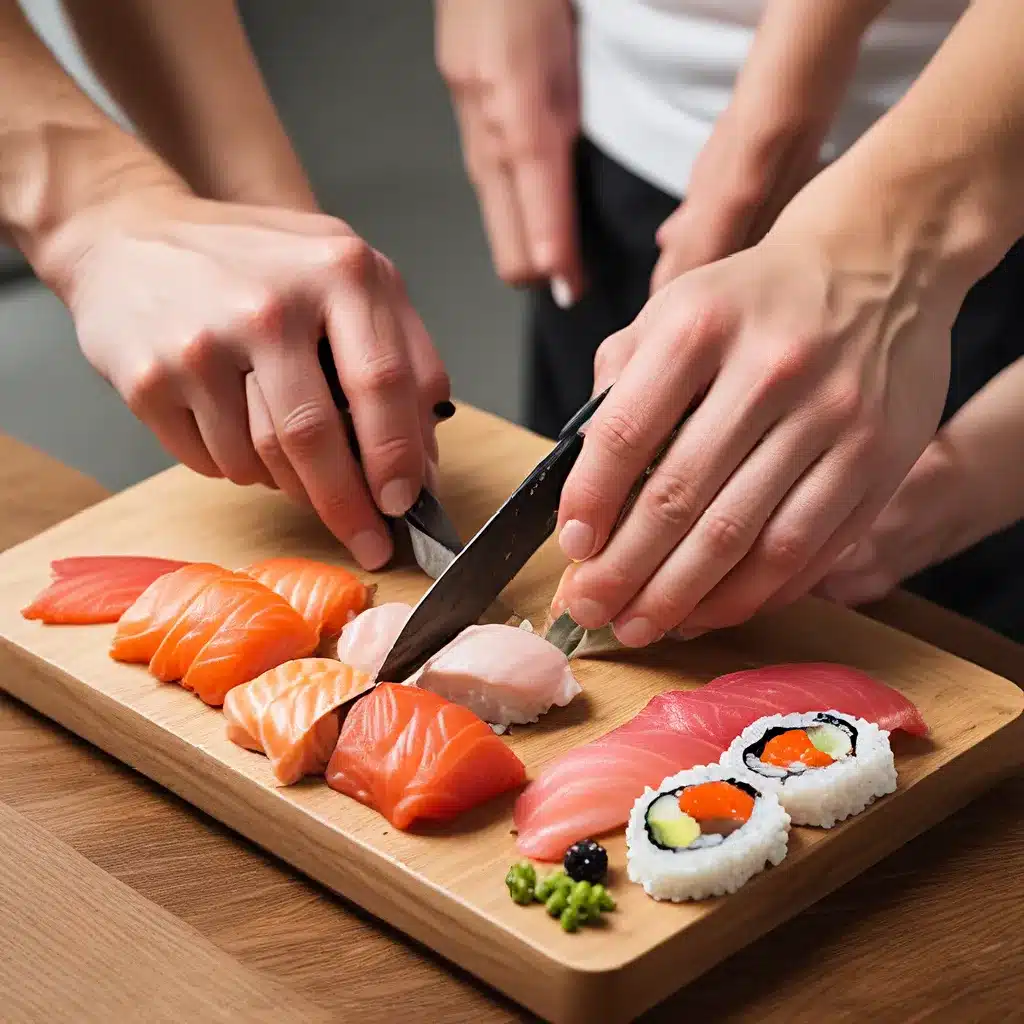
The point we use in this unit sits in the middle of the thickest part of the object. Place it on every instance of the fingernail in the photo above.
(397, 496)
(561, 292)
(371, 549)
(638, 632)
(576, 540)
(686, 634)
(588, 613)
(444, 410)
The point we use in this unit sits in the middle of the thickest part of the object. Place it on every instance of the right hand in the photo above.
(511, 69)
(205, 317)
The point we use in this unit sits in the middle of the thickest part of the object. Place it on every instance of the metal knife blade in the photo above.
(470, 585)
(435, 540)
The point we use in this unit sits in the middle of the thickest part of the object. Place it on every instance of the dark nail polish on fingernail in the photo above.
(444, 410)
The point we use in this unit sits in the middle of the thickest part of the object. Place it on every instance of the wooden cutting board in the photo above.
(445, 886)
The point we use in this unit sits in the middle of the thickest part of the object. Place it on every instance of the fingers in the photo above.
(377, 376)
(312, 439)
(730, 526)
(632, 425)
(267, 445)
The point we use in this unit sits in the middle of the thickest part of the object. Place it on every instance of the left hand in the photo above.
(928, 520)
(823, 366)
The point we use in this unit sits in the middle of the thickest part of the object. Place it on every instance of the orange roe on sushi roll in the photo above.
(794, 747)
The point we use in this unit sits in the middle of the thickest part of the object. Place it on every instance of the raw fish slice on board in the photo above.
(234, 630)
(298, 729)
(412, 755)
(591, 789)
(365, 641)
(245, 705)
(92, 589)
(505, 674)
(142, 628)
(816, 686)
(326, 596)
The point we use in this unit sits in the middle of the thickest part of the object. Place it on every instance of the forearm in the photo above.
(185, 75)
(59, 153)
(934, 185)
(986, 438)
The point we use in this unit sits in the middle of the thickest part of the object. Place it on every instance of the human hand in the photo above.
(819, 377)
(928, 520)
(205, 318)
(511, 69)
(740, 183)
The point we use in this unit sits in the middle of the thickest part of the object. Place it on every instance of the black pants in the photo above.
(619, 214)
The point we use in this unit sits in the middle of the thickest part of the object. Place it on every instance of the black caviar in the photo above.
(586, 861)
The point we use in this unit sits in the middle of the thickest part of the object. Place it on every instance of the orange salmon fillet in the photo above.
(144, 625)
(291, 712)
(91, 589)
(232, 631)
(326, 596)
(413, 755)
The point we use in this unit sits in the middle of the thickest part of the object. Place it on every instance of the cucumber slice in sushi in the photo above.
(840, 764)
(671, 862)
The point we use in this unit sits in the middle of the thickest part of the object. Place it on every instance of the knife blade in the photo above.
(478, 574)
(435, 540)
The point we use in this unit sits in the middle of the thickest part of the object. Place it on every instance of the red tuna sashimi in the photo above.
(92, 589)
(591, 790)
(818, 686)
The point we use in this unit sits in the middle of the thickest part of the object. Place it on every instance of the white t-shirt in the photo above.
(655, 74)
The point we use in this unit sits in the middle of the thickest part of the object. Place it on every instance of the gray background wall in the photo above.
(356, 86)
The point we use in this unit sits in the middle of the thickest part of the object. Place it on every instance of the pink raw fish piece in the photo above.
(590, 790)
(365, 641)
(817, 686)
(504, 674)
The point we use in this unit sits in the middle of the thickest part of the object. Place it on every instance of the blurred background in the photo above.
(358, 91)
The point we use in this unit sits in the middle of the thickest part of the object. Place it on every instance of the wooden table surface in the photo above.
(93, 855)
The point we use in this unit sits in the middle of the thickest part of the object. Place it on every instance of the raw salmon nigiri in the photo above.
(326, 596)
(290, 713)
(95, 588)
(232, 631)
(413, 755)
(144, 625)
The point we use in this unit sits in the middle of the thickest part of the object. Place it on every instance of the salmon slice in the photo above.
(291, 712)
(413, 755)
(326, 596)
(232, 631)
(142, 628)
(92, 589)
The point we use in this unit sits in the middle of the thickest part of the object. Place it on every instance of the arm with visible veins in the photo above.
(185, 75)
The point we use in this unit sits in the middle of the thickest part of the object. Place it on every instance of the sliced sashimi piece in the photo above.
(504, 674)
(234, 630)
(92, 589)
(818, 686)
(142, 628)
(326, 596)
(412, 755)
(365, 641)
(245, 705)
(590, 790)
(298, 729)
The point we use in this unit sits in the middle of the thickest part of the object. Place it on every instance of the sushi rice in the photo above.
(862, 771)
(713, 865)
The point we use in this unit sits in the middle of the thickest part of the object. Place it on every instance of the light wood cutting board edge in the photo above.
(563, 978)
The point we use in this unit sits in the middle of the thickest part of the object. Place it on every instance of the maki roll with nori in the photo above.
(824, 766)
(704, 832)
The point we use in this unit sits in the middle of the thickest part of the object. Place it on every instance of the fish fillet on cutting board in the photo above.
(443, 885)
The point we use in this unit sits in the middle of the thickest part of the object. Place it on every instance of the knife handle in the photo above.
(442, 410)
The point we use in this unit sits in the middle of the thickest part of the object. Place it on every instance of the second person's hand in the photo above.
(205, 317)
(511, 69)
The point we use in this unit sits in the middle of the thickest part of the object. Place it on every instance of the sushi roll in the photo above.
(824, 766)
(703, 832)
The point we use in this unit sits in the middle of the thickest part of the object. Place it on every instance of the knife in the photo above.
(471, 583)
(435, 540)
